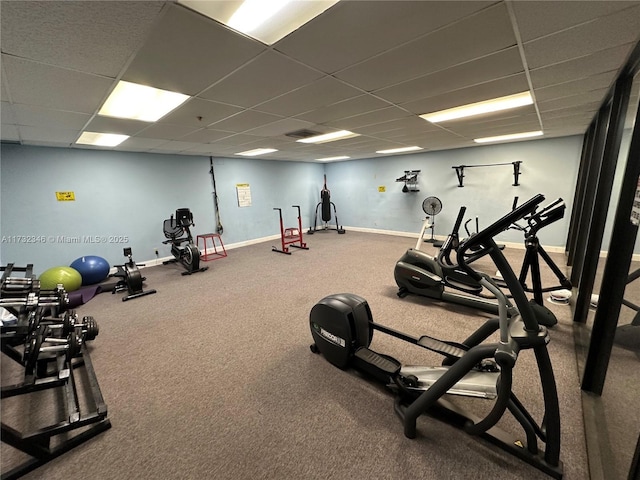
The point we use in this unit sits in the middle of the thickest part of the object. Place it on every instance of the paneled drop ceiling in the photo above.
(370, 67)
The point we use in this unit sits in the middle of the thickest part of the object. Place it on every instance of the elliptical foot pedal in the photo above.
(380, 367)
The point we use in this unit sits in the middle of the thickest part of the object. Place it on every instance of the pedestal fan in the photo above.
(432, 206)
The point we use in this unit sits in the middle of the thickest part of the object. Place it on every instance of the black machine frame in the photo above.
(130, 278)
(342, 328)
(57, 368)
(177, 231)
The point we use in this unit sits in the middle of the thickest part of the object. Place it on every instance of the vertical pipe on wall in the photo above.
(613, 282)
(603, 193)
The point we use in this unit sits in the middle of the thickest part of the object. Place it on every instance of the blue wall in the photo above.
(122, 194)
(549, 166)
(121, 199)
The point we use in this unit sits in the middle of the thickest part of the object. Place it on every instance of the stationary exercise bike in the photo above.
(326, 204)
(130, 278)
(182, 247)
(342, 328)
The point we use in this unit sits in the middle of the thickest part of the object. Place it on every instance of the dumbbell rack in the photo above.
(84, 410)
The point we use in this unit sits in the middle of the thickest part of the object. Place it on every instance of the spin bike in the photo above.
(130, 278)
(326, 204)
(182, 246)
(342, 328)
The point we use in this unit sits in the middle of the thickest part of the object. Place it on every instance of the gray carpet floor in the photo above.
(212, 377)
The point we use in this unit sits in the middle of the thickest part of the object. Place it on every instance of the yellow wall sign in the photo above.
(382, 189)
(66, 196)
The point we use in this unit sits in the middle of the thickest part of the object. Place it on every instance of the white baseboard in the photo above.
(516, 245)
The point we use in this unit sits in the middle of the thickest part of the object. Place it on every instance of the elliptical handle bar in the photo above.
(548, 215)
(452, 241)
(456, 225)
(484, 237)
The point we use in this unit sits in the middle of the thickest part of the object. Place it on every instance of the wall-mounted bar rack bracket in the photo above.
(516, 171)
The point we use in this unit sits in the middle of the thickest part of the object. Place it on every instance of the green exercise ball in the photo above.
(69, 277)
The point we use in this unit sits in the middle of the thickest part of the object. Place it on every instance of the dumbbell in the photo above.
(87, 328)
(71, 345)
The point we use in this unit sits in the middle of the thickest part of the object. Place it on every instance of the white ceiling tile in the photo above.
(9, 133)
(280, 127)
(494, 66)
(6, 109)
(241, 139)
(44, 117)
(573, 100)
(486, 32)
(346, 108)
(539, 18)
(583, 85)
(388, 61)
(601, 34)
(362, 29)
(166, 131)
(369, 118)
(172, 146)
(111, 31)
(46, 134)
(246, 120)
(583, 67)
(325, 91)
(41, 85)
(122, 126)
(188, 52)
(197, 112)
(267, 76)
(140, 143)
(477, 93)
(205, 135)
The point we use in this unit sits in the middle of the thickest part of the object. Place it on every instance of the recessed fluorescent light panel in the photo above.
(101, 139)
(329, 137)
(265, 20)
(257, 151)
(487, 106)
(331, 159)
(513, 136)
(400, 150)
(139, 102)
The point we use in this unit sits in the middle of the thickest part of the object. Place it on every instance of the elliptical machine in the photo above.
(182, 247)
(342, 328)
(326, 204)
(534, 251)
(419, 273)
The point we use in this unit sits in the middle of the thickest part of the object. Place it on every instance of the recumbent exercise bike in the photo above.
(177, 231)
(342, 328)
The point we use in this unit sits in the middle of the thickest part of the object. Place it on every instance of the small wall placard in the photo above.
(66, 196)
